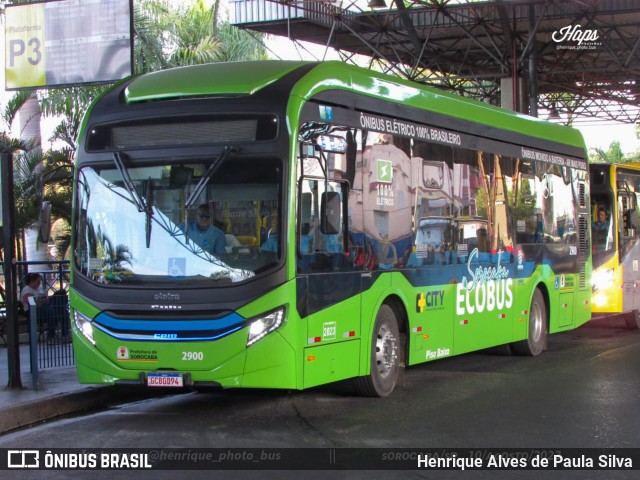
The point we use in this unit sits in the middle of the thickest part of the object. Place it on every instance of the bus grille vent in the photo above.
(583, 239)
(582, 194)
(583, 277)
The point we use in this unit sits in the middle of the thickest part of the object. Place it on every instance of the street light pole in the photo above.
(8, 229)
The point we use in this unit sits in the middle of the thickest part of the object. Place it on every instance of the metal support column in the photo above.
(8, 229)
(533, 63)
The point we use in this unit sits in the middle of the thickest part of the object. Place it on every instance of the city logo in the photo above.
(433, 300)
(421, 302)
(123, 353)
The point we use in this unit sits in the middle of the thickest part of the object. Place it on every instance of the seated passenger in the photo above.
(602, 224)
(271, 243)
(409, 259)
(204, 234)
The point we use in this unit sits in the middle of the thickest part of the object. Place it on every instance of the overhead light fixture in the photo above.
(377, 4)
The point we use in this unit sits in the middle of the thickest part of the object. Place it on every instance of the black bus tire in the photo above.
(536, 340)
(384, 356)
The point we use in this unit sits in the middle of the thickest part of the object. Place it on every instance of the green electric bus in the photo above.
(289, 224)
(615, 206)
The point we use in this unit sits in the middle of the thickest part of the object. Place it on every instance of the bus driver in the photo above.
(203, 233)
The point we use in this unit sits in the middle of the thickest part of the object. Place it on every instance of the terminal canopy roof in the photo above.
(571, 60)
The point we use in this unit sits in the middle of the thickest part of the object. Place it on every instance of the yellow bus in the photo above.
(615, 194)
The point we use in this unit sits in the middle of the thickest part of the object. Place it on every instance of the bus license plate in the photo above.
(164, 380)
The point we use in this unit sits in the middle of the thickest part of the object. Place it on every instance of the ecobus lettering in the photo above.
(488, 289)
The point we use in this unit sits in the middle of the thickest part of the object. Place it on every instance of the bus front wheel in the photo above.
(536, 340)
(632, 319)
(384, 356)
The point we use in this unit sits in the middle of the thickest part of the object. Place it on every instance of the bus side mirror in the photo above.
(44, 222)
(330, 212)
(630, 218)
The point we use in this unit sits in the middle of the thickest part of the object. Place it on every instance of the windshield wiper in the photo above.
(228, 150)
(148, 210)
(142, 204)
(128, 183)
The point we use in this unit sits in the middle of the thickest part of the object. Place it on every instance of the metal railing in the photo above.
(47, 323)
(49, 334)
(55, 275)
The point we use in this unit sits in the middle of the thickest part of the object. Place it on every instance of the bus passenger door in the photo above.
(329, 285)
(629, 250)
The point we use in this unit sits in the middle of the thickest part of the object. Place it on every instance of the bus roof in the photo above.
(226, 78)
(246, 78)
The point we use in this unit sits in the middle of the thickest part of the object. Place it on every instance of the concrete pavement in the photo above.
(58, 394)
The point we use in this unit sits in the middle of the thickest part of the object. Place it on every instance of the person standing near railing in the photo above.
(33, 281)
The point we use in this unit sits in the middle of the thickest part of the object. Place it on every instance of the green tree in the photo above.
(57, 178)
(198, 35)
(236, 44)
(70, 104)
(150, 36)
(613, 155)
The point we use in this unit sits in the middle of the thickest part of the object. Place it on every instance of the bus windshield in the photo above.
(145, 225)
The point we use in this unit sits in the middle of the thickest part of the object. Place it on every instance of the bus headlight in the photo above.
(599, 300)
(602, 279)
(83, 324)
(263, 325)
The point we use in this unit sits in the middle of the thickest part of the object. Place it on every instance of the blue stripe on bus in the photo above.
(156, 325)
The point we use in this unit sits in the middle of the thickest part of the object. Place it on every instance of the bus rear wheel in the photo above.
(536, 340)
(384, 356)
(632, 319)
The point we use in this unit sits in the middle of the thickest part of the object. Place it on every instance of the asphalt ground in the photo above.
(58, 392)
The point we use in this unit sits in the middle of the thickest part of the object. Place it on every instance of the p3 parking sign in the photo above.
(24, 43)
(69, 42)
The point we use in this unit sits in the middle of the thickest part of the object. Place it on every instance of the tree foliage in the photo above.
(613, 155)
